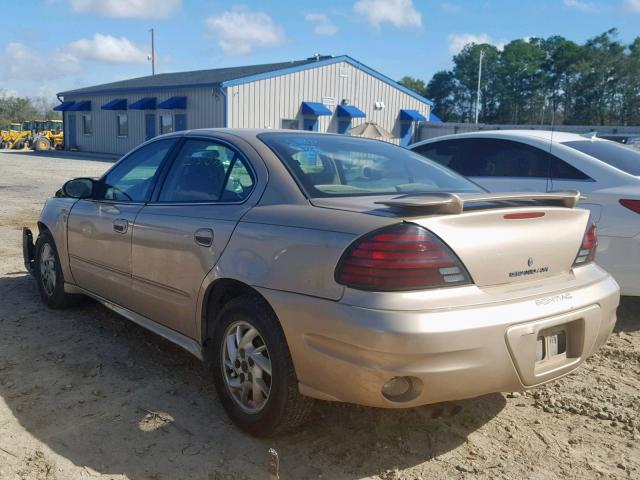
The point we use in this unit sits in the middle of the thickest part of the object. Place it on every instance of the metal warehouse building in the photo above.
(322, 93)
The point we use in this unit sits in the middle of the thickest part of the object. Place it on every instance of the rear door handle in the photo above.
(120, 225)
(204, 237)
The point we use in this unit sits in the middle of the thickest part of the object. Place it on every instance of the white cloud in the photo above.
(580, 5)
(127, 8)
(20, 62)
(448, 7)
(239, 31)
(323, 25)
(457, 41)
(399, 13)
(632, 5)
(108, 49)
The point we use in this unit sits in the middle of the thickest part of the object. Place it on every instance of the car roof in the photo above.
(544, 135)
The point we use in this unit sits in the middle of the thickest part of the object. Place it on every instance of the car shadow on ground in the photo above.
(628, 319)
(108, 395)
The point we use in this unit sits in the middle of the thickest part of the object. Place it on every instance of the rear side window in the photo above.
(489, 157)
(561, 170)
(206, 171)
(619, 156)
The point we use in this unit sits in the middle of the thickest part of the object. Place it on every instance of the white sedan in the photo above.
(606, 173)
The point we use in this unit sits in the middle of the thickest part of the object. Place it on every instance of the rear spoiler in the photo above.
(454, 203)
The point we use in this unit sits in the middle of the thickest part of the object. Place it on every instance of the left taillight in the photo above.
(633, 205)
(587, 252)
(401, 257)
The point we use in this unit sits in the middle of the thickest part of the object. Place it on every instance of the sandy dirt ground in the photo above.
(87, 394)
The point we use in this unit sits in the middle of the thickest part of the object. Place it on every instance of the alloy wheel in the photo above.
(246, 366)
(48, 269)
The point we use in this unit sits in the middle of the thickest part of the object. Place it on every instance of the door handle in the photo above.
(204, 237)
(120, 225)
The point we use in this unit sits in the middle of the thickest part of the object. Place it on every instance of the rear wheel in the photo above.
(49, 275)
(252, 369)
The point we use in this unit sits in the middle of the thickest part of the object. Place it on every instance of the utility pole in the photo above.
(153, 53)
(478, 92)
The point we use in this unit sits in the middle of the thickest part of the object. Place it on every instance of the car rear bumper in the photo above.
(28, 250)
(347, 353)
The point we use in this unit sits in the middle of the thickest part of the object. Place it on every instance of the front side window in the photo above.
(206, 171)
(166, 123)
(615, 154)
(123, 125)
(337, 165)
(131, 179)
(490, 157)
(87, 124)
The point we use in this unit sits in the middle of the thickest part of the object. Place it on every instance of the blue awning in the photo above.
(146, 103)
(315, 108)
(117, 104)
(64, 106)
(434, 118)
(349, 111)
(412, 116)
(174, 103)
(83, 106)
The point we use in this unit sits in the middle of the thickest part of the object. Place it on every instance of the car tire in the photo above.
(284, 408)
(48, 274)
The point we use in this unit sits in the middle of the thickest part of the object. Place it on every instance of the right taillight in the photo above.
(633, 205)
(587, 252)
(401, 257)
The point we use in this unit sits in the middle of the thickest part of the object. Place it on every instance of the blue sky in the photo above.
(54, 45)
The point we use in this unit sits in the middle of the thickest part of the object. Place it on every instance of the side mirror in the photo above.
(79, 188)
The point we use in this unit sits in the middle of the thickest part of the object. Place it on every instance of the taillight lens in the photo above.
(401, 257)
(587, 252)
(633, 205)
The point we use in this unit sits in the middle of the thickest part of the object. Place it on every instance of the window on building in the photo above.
(290, 123)
(87, 124)
(123, 125)
(166, 123)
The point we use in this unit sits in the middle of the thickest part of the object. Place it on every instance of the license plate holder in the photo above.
(551, 344)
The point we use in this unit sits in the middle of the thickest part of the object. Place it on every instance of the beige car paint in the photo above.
(345, 343)
(99, 255)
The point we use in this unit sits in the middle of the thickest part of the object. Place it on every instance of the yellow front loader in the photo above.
(15, 138)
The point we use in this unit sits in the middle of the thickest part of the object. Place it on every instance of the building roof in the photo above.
(226, 77)
(214, 76)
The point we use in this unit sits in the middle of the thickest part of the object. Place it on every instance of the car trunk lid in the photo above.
(500, 238)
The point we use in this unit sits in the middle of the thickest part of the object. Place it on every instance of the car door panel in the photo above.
(177, 243)
(100, 229)
(100, 256)
(168, 263)
(512, 184)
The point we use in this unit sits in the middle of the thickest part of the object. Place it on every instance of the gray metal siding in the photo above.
(264, 103)
(205, 108)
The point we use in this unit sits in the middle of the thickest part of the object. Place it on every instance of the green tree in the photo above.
(442, 90)
(414, 84)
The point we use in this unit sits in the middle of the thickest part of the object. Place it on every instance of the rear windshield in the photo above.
(619, 156)
(339, 166)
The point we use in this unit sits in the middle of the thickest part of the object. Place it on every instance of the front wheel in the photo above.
(253, 371)
(49, 275)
